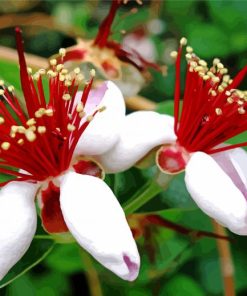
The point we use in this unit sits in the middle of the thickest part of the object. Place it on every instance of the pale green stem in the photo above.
(148, 191)
(91, 274)
(43, 236)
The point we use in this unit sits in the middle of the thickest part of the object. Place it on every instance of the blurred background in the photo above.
(172, 264)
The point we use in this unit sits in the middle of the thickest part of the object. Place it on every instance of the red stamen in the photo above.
(213, 110)
(41, 144)
(105, 27)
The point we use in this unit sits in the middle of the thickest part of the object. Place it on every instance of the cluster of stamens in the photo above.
(41, 140)
(213, 108)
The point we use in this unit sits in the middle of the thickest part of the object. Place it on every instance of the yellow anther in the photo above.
(30, 135)
(32, 128)
(64, 72)
(49, 112)
(230, 100)
(218, 111)
(1, 82)
(174, 54)
(80, 77)
(77, 70)
(193, 64)
(240, 102)
(79, 107)
(220, 66)
(31, 121)
(53, 62)
(20, 141)
(67, 83)
(36, 76)
(5, 145)
(21, 129)
(183, 41)
(14, 128)
(213, 93)
(82, 114)
(101, 109)
(66, 97)
(41, 129)
(223, 71)
(62, 52)
(1, 92)
(216, 79)
(61, 77)
(216, 61)
(202, 63)
(11, 88)
(241, 110)
(188, 56)
(2, 120)
(29, 70)
(92, 72)
(70, 127)
(42, 71)
(90, 118)
(205, 77)
(189, 49)
(221, 88)
(59, 67)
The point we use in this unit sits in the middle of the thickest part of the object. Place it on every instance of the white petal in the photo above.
(102, 133)
(215, 193)
(141, 132)
(18, 221)
(142, 44)
(97, 221)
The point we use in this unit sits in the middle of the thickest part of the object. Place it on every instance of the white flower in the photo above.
(71, 194)
(213, 111)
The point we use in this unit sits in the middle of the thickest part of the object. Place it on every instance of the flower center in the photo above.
(49, 195)
(172, 159)
(213, 110)
(42, 142)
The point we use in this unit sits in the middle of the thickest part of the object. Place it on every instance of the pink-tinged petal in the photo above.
(141, 132)
(215, 192)
(97, 221)
(102, 133)
(142, 44)
(18, 221)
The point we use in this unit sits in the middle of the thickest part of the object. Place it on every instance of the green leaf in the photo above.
(165, 107)
(65, 258)
(9, 72)
(182, 285)
(208, 40)
(38, 250)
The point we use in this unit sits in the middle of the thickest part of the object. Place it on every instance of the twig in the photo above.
(91, 274)
(140, 103)
(38, 19)
(226, 263)
(10, 54)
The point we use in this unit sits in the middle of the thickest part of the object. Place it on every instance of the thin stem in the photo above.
(91, 274)
(226, 263)
(148, 191)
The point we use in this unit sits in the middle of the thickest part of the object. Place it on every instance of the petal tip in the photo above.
(133, 268)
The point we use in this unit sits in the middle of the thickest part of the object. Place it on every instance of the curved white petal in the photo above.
(141, 132)
(97, 221)
(215, 192)
(18, 221)
(102, 133)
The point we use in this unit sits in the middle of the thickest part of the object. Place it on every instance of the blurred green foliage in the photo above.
(172, 264)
